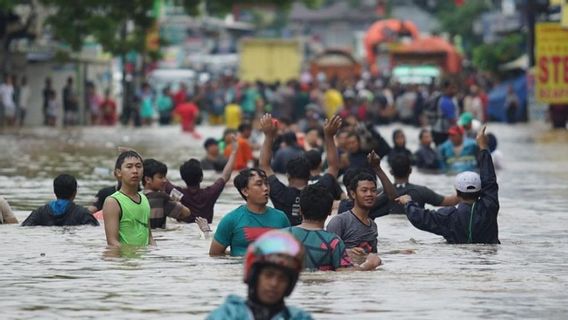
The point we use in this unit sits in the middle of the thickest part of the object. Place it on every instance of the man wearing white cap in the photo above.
(474, 220)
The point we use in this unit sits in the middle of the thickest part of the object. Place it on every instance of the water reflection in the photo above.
(54, 273)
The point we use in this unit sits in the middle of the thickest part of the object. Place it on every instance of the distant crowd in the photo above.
(227, 100)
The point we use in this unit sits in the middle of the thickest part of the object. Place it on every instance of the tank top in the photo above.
(134, 228)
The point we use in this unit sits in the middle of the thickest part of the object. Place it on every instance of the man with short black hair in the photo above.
(401, 170)
(201, 201)
(314, 159)
(355, 228)
(427, 158)
(287, 197)
(245, 224)
(325, 251)
(355, 157)
(382, 200)
(286, 152)
(63, 211)
(213, 159)
(161, 204)
(474, 220)
(127, 211)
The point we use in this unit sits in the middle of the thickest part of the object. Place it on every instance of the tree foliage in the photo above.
(459, 20)
(104, 21)
(489, 57)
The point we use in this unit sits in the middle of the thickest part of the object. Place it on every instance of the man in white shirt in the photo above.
(7, 101)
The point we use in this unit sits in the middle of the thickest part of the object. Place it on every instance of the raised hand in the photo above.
(268, 125)
(374, 160)
(234, 143)
(331, 126)
(482, 141)
(404, 199)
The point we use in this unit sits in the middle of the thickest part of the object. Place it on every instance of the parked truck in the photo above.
(270, 60)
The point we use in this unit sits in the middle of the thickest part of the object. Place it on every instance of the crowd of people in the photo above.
(228, 100)
(326, 143)
(143, 198)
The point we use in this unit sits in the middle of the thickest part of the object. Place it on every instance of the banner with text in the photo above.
(551, 63)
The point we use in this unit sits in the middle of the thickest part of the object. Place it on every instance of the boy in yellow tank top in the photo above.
(127, 212)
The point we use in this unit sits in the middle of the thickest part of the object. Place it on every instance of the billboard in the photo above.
(551, 63)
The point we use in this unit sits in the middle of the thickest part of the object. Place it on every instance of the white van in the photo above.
(160, 78)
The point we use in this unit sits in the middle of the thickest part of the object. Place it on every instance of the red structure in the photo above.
(382, 33)
(428, 50)
(392, 42)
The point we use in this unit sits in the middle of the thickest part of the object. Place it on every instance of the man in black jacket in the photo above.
(63, 211)
(474, 220)
(287, 197)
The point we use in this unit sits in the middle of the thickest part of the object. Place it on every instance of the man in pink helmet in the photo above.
(272, 266)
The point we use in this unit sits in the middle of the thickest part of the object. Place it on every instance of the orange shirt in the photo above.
(244, 153)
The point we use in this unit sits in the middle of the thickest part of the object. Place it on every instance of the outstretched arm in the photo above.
(388, 187)
(371, 263)
(228, 169)
(423, 219)
(330, 128)
(268, 126)
(450, 200)
(489, 185)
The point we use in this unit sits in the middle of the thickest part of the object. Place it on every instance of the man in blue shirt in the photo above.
(458, 154)
(446, 113)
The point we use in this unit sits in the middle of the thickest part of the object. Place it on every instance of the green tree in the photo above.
(13, 27)
(104, 20)
(459, 20)
(489, 57)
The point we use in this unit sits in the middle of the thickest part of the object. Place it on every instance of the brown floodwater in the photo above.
(56, 273)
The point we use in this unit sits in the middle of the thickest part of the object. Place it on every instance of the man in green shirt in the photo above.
(127, 211)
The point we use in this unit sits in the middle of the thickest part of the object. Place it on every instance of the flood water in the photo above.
(56, 273)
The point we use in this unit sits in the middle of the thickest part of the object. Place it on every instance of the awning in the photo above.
(521, 63)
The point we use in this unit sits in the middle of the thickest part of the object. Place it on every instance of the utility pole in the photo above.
(530, 10)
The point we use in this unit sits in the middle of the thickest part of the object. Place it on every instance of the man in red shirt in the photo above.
(180, 96)
(108, 108)
(188, 113)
